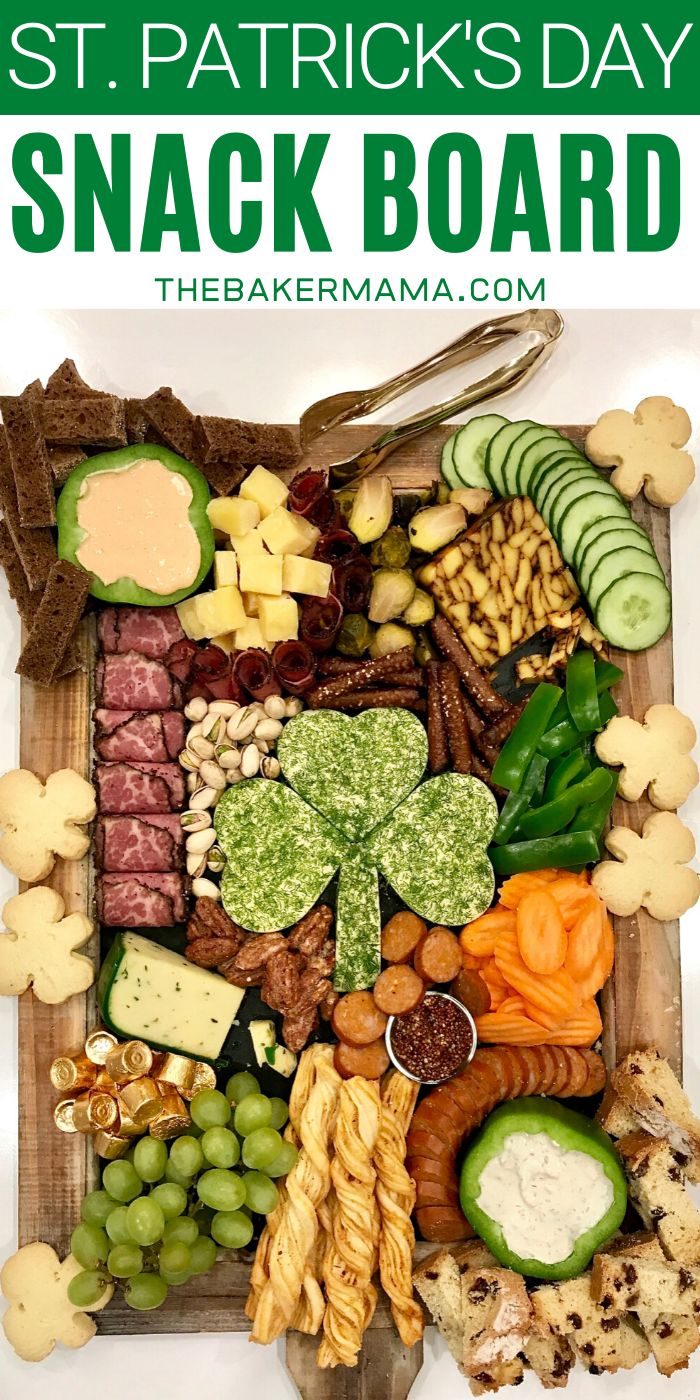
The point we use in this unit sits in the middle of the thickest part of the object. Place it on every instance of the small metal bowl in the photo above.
(444, 996)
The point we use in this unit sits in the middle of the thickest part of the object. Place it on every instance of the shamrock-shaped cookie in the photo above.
(650, 871)
(40, 821)
(644, 447)
(37, 947)
(35, 1284)
(653, 755)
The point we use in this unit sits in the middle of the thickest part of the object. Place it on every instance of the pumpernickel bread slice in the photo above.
(29, 458)
(54, 623)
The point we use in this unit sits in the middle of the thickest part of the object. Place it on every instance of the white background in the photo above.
(258, 365)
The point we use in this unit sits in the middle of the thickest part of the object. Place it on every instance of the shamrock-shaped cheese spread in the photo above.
(650, 870)
(40, 821)
(37, 947)
(653, 755)
(35, 1284)
(356, 805)
(644, 447)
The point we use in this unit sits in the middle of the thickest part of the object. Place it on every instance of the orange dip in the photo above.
(137, 526)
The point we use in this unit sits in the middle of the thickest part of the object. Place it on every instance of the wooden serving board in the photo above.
(641, 1004)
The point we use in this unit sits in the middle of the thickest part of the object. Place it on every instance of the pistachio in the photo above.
(243, 723)
(189, 760)
(194, 730)
(270, 767)
(224, 707)
(262, 745)
(192, 782)
(216, 860)
(250, 761)
(269, 729)
(195, 821)
(200, 746)
(274, 707)
(214, 728)
(212, 775)
(228, 757)
(233, 775)
(196, 709)
(195, 864)
(201, 841)
(293, 707)
(205, 889)
(203, 798)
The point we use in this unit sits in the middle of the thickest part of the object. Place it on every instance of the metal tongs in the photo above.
(330, 412)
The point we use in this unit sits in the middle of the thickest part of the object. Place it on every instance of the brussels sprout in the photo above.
(393, 550)
(392, 591)
(391, 637)
(355, 635)
(345, 500)
(406, 503)
(435, 526)
(475, 499)
(371, 511)
(420, 609)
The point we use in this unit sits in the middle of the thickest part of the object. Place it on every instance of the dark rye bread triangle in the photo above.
(63, 460)
(248, 445)
(177, 427)
(26, 602)
(67, 383)
(96, 422)
(54, 623)
(29, 458)
(34, 548)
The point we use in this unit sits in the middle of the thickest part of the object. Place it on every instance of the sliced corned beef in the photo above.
(141, 901)
(125, 735)
(137, 788)
(130, 681)
(151, 843)
(150, 631)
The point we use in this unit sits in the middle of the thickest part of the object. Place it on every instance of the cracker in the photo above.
(654, 755)
(40, 821)
(63, 460)
(645, 450)
(650, 871)
(38, 947)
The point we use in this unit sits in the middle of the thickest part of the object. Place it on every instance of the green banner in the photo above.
(227, 59)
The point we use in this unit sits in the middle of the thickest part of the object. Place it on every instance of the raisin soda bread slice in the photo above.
(551, 1358)
(630, 1284)
(602, 1340)
(497, 1319)
(615, 1117)
(672, 1339)
(649, 1088)
(657, 1188)
(437, 1282)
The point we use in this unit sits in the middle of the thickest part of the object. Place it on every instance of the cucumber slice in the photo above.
(593, 532)
(534, 457)
(497, 451)
(510, 471)
(448, 469)
(573, 491)
(634, 612)
(616, 565)
(551, 469)
(470, 448)
(550, 487)
(615, 535)
(597, 505)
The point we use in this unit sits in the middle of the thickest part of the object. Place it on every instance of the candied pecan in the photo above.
(298, 1026)
(209, 920)
(209, 952)
(232, 973)
(280, 988)
(322, 962)
(312, 990)
(256, 951)
(309, 935)
(326, 1006)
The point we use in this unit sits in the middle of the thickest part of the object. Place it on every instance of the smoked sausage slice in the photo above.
(438, 957)
(357, 1019)
(401, 936)
(398, 989)
(368, 1061)
(469, 988)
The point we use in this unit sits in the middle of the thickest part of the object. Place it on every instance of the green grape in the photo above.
(97, 1205)
(117, 1227)
(125, 1260)
(221, 1147)
(261, 1194)
(174, 1280)
(232, 1229)
(174, 1257)
(176, 1177)
(261, 1147)
(210, 1109)
(280, 1113)
(186, 1155)
(241, 1084)
(90, 1245)
(121, 1180)
(284, 1161)
(183, 1228)
(146, 1291)
(87, 1288)
(171, 1198)
(150, 1158)
(146, 1220)
(254, 1112)
(203, 1216)
(221, 1190)
(202, 1255)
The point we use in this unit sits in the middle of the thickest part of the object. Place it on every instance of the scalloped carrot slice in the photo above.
(479, 937)
(601, 969)
(510, 1028)
(546, 1019)
(556, 992)
(541, 934)
(570, 895)
(585, 938)
(512, 1005)
(472, 963)
(583, 1028)
(512, 890)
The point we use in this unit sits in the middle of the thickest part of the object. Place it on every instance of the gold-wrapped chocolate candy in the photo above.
(173, 1117)
(178, 1071)
(63, 1116)
(129, 1061)
(99, 1045)
(141, 1101)
(204, 1078)
(110, 1145)
(70, 1074)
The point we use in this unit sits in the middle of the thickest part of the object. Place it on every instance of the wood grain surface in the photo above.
(642, 1004)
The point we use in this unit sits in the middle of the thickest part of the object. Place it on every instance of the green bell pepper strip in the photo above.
(555, 816)
(581, 691)
(566, 770)
(516, 755)
(565, 736)
(517, 803)
(566, 851)
(606, 675)
(594, 815)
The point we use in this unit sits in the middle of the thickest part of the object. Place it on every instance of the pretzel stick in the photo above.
(396, 1197)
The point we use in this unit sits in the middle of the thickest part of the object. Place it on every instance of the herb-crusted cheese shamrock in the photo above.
(35, 1284)
(645, 449)
(654, 755)
(40, 821)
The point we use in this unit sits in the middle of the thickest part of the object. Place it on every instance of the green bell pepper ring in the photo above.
(581, 691)
(594, 815)
(71, 534)
(570, 849)
(555, 816)
(517, 803)
(606, 675)
(565, 772)
(567, 1131)
(565, 736)
(516, 755)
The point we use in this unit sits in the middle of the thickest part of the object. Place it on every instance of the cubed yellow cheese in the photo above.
(306, 576)
(250, 635)
(265, 489)
(225, 568)
(247, 544)
(285, 533)
(260, 573)
(225, 642)
(210, 614)
(279, 618)
(190, 621)
(232, 515)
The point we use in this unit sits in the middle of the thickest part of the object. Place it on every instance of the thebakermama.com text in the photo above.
(345, 291)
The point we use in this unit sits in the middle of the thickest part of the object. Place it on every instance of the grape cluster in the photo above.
(160, 1213)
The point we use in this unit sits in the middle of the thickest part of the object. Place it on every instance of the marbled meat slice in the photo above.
(150, 631)
(130, 681)
(125, 735)
(141, 901)
(125, 788)
(150, 842)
